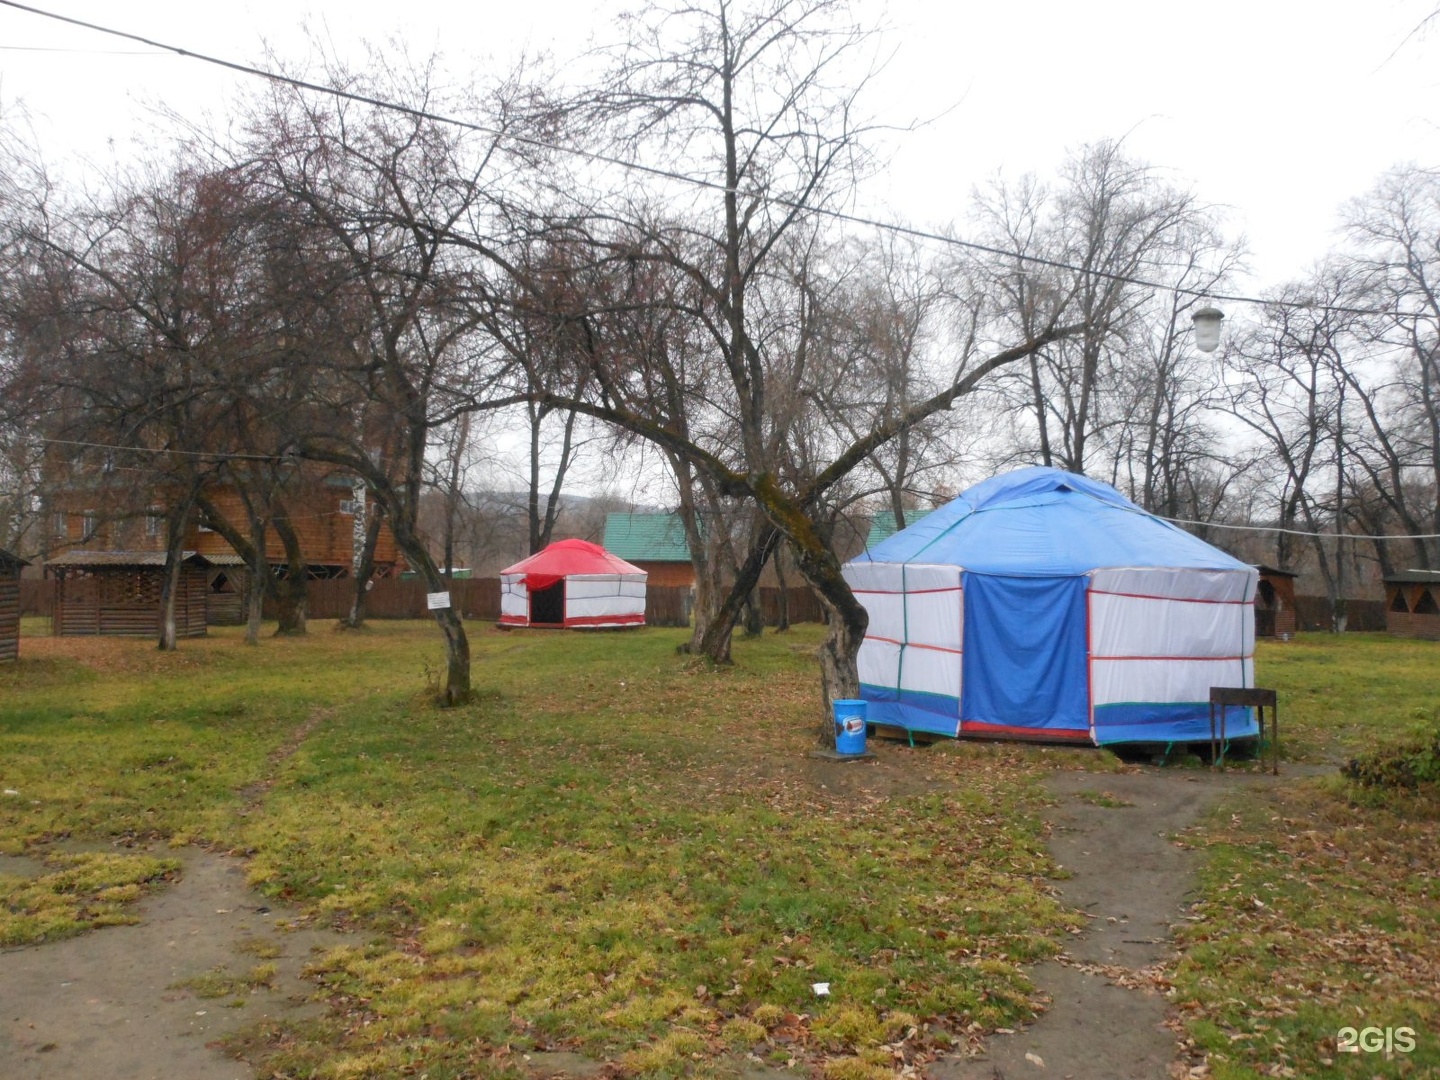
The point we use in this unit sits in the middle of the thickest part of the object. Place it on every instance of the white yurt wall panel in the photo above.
(514, 600)
(933, 612)
(931, 671)
(592, 596)
(879, 662)
(1117, 681)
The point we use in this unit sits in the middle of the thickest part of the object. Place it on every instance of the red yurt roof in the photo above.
(566, 558)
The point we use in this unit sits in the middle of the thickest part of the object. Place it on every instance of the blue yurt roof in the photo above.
(1042, 522)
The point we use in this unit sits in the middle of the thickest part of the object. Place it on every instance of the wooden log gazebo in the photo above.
(1412, 604)
(227, 581)
(10, 605)
(1275, 614)
(118, 593)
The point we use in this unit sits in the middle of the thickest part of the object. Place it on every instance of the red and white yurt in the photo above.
(572, 584)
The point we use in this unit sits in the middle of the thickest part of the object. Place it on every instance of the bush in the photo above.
(1408, 764)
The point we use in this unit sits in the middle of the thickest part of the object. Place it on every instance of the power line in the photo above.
(701, 182)
(85, 52)
(1301, 532)
(217, 455)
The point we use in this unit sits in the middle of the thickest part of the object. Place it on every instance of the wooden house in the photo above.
(1275, 614)
(10, 605)
(118, 592)
(102, 517)
(1412, 604)
(321, 511)
(655, 543)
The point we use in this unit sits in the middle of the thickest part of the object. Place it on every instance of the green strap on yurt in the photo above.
(904, 631)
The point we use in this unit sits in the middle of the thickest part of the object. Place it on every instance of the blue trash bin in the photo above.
(849, 726)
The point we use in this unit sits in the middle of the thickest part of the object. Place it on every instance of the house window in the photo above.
(153, 517)
(58, 525)
(347, 506)
(88, 523)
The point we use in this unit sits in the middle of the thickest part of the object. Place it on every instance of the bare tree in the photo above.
(1288, 383)
(128, 322)
(1086, 245)
(746, 99)
(386, 189)
(1397, 232)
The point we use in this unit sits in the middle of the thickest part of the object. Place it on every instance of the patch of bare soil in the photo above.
(116, 1004)
(1106, 1020)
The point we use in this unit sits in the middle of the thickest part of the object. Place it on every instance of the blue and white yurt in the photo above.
(1045, 605)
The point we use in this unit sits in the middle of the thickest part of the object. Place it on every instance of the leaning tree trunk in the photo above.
(782, 622)
(846, 618)
(174, 554)
(252, 550)
(707, 587)
(170, 585)
(363, 569)
(457, 658)
(254, 607)
(846, 622)
(456, 690)
(705, 561)
(260, 580)
(291, 601)
(716, 642)
(754, 612)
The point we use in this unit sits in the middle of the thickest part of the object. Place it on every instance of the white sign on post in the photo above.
(437, 601)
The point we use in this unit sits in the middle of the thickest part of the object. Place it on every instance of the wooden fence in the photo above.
(474, 598)
(665, 605)
(801, 603)
(1313, 613)
(395, 598)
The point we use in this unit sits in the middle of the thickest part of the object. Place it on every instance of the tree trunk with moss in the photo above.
(847, 618)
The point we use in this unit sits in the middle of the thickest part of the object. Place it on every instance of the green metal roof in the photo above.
(1414, 577)
(646, 537)
(882, 525)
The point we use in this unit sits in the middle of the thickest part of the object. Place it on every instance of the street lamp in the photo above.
(1207, 322)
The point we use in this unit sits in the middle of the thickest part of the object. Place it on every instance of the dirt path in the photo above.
(107, 1005)
(116, 1004)
(1132, 880)
(113, 1005)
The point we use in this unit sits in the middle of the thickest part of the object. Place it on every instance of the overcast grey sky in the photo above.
(1277, 109)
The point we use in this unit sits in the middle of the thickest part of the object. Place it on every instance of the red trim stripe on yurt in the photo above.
(913, 644)
(1173, 599)
(1207, 659)
(602, 620)
(980, 727)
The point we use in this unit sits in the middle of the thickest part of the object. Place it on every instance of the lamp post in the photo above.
(1207, 322)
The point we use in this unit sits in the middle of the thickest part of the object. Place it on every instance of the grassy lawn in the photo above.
(612, 851)
(619, 853)
(1320, 906)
